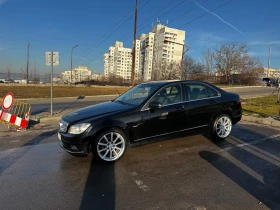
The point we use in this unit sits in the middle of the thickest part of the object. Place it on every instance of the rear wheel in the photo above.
(110, 145)
(221, 127)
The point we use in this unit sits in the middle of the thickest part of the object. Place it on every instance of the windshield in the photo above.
(137, 95)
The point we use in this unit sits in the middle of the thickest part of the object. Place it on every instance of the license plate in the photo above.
(59, 136)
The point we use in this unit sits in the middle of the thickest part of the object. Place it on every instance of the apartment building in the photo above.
(153, 50)
(168, 47)
(82, 73)
(118, 61)
(146, 55)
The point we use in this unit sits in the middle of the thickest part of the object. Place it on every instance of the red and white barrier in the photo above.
(13, 119)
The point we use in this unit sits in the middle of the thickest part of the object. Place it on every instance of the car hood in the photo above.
(95, 111)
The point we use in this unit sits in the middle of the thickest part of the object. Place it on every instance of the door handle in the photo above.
(212, 101)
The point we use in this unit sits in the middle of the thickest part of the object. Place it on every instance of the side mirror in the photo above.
(155, 105)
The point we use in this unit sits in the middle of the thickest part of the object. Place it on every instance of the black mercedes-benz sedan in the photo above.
(148, 111)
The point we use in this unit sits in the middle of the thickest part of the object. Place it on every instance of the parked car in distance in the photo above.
(269, 81)
(148, 111)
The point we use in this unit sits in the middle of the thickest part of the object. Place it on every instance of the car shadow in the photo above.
(253, 169)
(14, 156)
(100, 187)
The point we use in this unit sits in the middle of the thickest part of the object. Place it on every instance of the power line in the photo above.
(117, 29)
(101, 41)
(175, 18)
(190, 20)
(161, 16)
(88, 50)
(158, 17)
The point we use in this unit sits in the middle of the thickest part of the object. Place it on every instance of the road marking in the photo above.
(142, 186)
(251, 143)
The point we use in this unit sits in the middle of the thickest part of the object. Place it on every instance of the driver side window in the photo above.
(169, 95)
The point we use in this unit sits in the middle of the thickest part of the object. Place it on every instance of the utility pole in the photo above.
(27, 63)
(269, 52)
(134, 45)
(71, 62)
(52, 85)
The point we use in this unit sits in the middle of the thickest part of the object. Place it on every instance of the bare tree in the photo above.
(233, 57)
(208, 60)
(170, 70)
(191, 67)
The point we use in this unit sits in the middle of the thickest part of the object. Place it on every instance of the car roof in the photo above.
(165, 82)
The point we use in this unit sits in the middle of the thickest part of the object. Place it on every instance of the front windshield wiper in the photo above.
(123, 102)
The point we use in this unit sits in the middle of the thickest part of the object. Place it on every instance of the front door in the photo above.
(167, 119)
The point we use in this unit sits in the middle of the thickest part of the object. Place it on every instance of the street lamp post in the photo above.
(183, 53)
(71, 62)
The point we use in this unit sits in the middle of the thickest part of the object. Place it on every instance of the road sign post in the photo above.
(52, 59)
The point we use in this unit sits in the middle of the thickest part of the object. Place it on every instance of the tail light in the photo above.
(239, 101)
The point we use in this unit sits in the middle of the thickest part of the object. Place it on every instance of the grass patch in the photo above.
(263, 106)
(39, 91)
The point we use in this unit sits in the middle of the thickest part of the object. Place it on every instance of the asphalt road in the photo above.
(184, 172)
(43, 105)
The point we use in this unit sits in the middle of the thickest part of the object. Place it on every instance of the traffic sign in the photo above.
(8, 101)
(52, 59)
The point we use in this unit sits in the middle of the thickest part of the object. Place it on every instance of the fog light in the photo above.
(74, 147)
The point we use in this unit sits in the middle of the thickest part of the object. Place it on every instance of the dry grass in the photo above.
(263, 106)
(39, 91)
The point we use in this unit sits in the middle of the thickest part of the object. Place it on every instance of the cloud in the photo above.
(227, 23)
(209, 39)
(264, 42)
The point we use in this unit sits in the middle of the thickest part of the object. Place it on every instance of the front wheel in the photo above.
(110, 145)
(221, 127)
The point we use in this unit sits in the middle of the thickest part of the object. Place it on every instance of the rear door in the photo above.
(203, 102)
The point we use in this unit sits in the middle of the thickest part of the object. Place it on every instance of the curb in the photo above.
(264, 121)
(32, 99)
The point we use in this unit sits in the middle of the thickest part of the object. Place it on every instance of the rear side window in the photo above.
(211, 92)
(196, 91)
(199, 91)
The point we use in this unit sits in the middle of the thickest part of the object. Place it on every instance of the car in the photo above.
(269, 81)
(146, 112)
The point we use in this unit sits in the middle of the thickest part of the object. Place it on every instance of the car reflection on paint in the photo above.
(148, 111)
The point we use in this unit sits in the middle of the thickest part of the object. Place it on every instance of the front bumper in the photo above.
(72, 151)
(74, 146)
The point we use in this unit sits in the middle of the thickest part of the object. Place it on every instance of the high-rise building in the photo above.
(82, 73)
(166, 52)
(146, 58)
(118, 61)
(153, 50)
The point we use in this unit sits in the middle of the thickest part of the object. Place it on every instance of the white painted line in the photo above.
(142, 186)
(253, 142)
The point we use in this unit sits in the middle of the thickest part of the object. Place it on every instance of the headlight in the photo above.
(78, 128)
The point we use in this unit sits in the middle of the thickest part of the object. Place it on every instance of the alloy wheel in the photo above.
(111, 146)
(223, 127)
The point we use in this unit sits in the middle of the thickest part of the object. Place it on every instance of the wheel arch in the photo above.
(99, 128)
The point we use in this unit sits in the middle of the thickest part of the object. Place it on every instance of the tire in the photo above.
(221, 127)
(108, 149)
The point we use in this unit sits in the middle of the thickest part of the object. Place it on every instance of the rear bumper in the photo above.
(236, 119)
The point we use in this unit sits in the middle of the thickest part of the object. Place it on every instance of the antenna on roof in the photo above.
(166, 22)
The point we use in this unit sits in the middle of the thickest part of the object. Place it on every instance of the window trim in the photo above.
(170, 84)
(202, 84)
